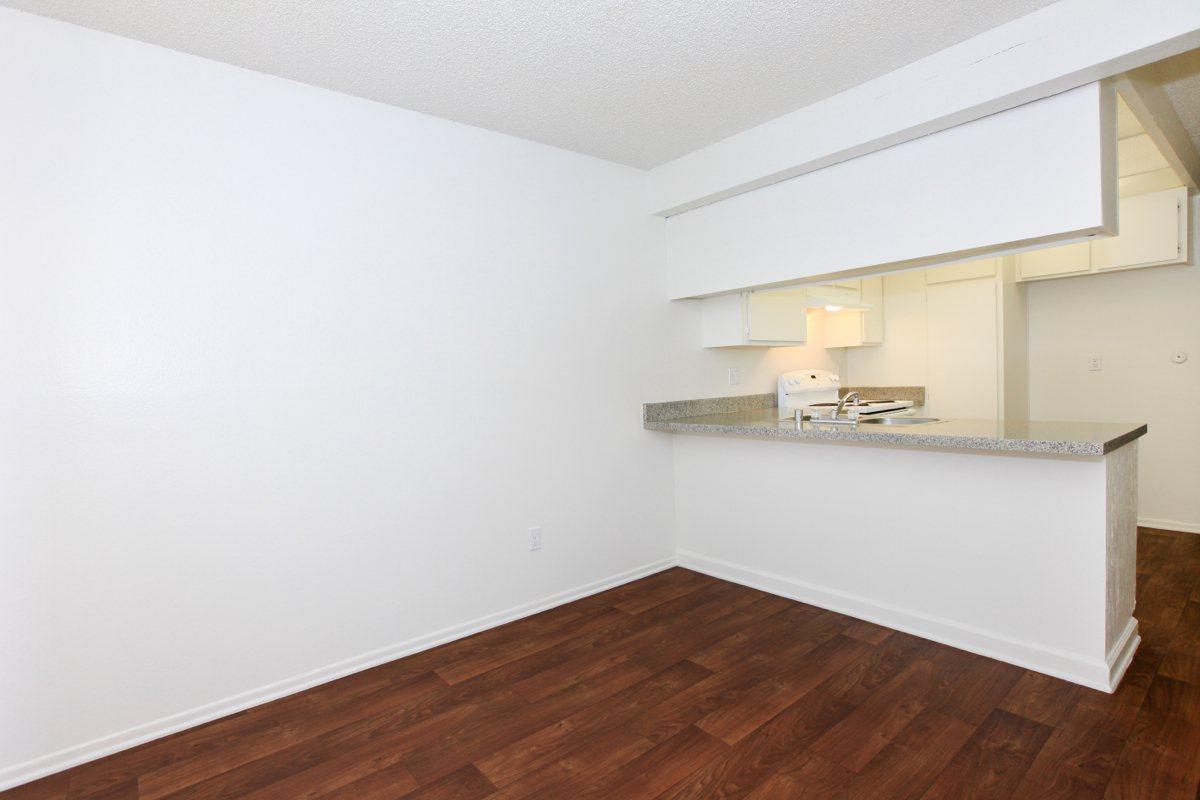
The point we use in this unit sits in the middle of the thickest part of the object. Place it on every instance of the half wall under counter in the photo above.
(1014, 540)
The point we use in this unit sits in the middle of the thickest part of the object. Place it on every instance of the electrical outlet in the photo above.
(535, 539)
(735, 376)
(1095, 364)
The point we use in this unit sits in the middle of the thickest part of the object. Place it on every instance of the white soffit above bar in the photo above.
(1057, 48)
(1035, 174)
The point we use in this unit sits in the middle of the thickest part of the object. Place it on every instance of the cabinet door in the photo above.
(982, 268)
(776, 317)
(1151, 233)
(872, 318)
(1066, 259)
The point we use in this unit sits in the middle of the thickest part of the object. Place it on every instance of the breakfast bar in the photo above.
(1009, 538)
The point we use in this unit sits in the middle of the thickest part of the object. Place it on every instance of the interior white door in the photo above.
(962, 379)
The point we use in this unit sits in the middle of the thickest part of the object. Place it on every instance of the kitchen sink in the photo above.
(899, 421)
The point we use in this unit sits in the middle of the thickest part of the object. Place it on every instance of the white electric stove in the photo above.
(814, 394)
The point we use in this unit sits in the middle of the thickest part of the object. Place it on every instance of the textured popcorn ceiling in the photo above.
(634, 81)
(1180, 78)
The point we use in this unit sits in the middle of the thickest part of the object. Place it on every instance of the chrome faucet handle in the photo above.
(837, 412)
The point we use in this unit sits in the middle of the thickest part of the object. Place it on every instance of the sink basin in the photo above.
(898, 421)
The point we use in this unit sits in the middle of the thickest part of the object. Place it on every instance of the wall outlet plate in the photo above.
(1095, 364)
(535, 539)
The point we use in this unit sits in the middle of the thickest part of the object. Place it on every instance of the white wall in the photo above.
(287, 375)
(1134, 321)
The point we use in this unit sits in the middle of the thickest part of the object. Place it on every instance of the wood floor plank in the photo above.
(248, 776)
(971, 686)
(1161, 759)
(603, 755)
(689, 582)
(1160, 763)
(630, 640)
(52, 788)
(681, 686)
(125, 790)
(563, 737)
(665, 580)
(810, 777)
(738, 719)
(487, 657)
(906, 767)
(745, 642)
(1041, 698)
(384, 784)
(1075, 763)
(772, 746)
(658, 769)
(868, 632)
(992, 763)
(1152, 550)
(1181, 660)
(281, 736)
(467, 783)
(466, 744)
(867, 730)
(334, 773)
(684, 643)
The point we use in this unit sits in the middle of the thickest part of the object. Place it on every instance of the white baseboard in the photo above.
(1095, 673)
(1121, 654)
(131, 737)
(1169, 525)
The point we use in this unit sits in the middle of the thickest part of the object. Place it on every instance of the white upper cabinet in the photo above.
(776, 317)
(1153, 233)
(1153, 230)
(982, 268)
(1052, 262)
(755, 319)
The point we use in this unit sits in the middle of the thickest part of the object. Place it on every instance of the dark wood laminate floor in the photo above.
(682, 686)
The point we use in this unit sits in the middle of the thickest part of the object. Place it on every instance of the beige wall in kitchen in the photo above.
(902, 359)
(952, 353)
(1134, 321)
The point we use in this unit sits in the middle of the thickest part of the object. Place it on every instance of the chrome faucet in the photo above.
(837, 412)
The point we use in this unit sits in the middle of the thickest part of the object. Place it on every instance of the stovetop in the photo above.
(861, 404)
(869, 408)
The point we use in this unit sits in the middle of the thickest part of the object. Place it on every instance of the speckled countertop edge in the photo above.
(912, 439)
(678, 409)
(914, 393)
(756, 421)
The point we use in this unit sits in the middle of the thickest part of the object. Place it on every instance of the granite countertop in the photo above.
(1019, 436)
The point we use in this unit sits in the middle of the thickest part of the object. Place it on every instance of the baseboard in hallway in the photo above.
(1169, 525)
(67, 758)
